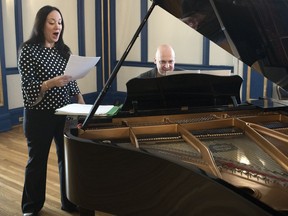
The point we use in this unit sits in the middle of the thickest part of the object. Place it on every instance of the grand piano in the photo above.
(185, 144)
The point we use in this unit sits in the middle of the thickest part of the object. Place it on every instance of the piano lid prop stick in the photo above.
(116, 69)
(248, 83)
(265, 84)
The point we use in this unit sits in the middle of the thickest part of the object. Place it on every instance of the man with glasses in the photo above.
(164, 61)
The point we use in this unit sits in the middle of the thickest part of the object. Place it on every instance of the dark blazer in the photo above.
(149, 74)
(153, 73)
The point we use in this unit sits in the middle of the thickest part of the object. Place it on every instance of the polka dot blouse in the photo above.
(37, 64)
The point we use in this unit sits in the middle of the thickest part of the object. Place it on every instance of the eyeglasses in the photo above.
(170, 62)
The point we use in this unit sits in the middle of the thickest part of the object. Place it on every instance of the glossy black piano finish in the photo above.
(233, 162)
(222, 158)
(255, 31)
(126, 181)
(182, 91)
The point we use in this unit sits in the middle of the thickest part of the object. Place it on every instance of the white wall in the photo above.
(186, 42)
(127, 21)
(88, 83)
(9, 33)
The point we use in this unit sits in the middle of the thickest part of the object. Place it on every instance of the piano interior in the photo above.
(248, 149)
(193, 157)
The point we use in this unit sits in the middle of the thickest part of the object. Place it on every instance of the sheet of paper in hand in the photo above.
(80, 66)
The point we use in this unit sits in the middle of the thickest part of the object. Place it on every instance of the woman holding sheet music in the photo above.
(42, 61)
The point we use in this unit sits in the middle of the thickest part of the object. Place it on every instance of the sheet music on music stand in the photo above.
(84, 109)
(80, 66)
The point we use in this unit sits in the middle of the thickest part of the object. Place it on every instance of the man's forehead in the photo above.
(166, 57)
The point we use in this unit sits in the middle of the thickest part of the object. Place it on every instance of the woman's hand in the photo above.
(59, 81)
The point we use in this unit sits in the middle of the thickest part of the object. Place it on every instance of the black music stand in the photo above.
(182, 91)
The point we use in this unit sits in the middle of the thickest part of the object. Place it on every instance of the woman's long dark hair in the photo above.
(37, 35)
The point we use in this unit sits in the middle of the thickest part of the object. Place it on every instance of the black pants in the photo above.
(40, 128)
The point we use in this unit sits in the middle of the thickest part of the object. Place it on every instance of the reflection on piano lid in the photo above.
(255, 31)
(268, 103)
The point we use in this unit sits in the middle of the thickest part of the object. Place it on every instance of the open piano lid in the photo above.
(254, 31)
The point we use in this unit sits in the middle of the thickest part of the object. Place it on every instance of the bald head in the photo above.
(164, 59)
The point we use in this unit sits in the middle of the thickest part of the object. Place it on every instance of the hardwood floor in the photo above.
(13, 157)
